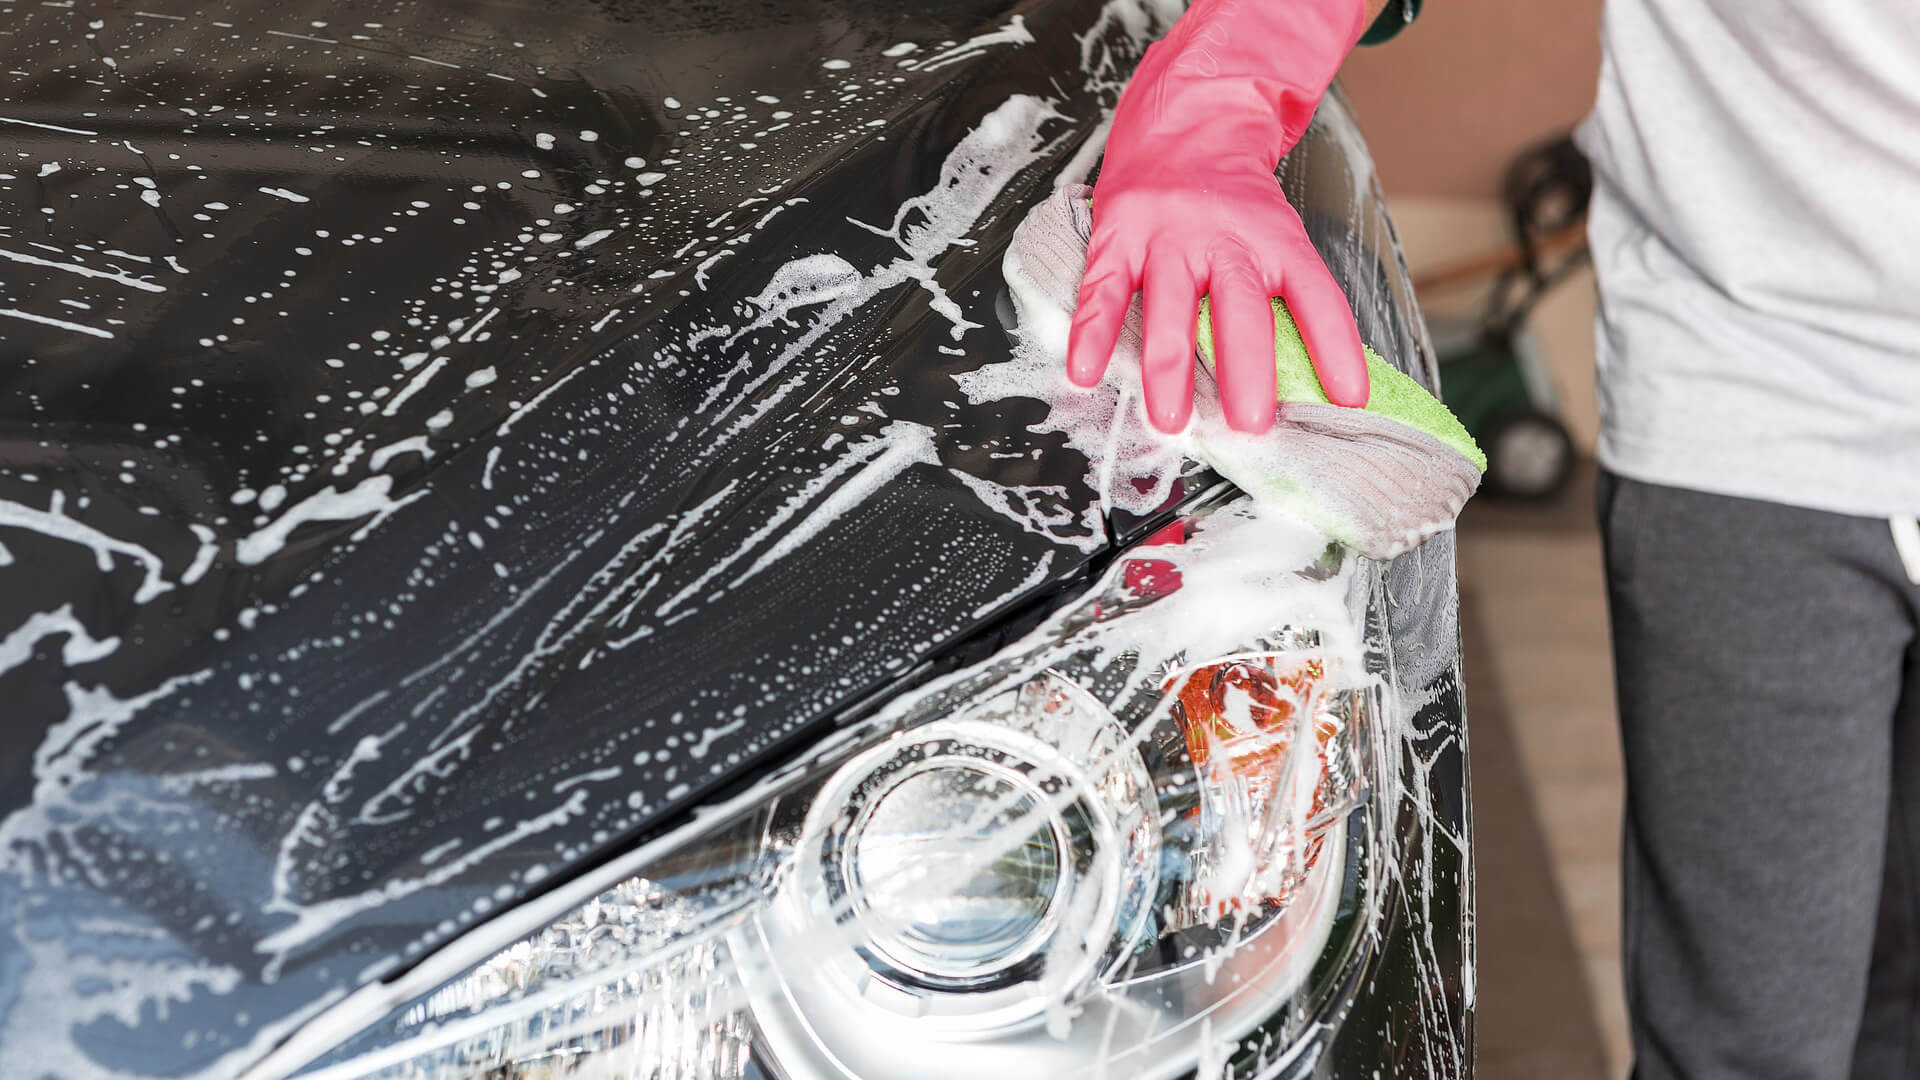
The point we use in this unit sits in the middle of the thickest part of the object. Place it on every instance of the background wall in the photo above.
(1445, 106)
(1449, 102)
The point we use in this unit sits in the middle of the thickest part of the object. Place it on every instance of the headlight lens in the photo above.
(1119, 845)
(960, 852)
(936, 891)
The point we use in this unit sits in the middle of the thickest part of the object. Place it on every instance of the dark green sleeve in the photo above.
(1398, 13)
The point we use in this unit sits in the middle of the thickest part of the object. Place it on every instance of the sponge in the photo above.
(1393, 396)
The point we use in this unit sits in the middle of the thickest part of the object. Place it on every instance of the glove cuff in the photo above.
(1235, 78)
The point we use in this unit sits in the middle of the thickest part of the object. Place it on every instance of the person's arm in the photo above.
(1186, 204)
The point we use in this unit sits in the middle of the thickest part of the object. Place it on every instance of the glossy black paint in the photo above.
(314, 754)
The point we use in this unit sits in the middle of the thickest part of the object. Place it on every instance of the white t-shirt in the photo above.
(1756, 231)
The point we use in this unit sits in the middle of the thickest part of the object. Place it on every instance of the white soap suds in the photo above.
(370, 496)
(80, 647)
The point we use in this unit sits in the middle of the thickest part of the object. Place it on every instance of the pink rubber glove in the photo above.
(1187, 204)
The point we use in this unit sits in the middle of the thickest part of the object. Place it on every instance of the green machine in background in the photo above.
(1499, 390)
(1491, 374)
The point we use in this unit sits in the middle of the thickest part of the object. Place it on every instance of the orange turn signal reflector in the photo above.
(1247, 706)
(1241, 717)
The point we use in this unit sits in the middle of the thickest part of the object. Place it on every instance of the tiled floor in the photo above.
(1546, 774)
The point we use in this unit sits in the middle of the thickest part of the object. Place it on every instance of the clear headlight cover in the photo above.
(1116, 848)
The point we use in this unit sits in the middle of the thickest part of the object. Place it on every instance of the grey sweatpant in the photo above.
(1770, 719)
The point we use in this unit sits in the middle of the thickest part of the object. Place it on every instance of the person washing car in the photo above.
(1759, 348)
(1757, 167)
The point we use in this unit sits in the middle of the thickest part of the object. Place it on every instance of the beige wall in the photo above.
(1449, 102)
(1445, 107)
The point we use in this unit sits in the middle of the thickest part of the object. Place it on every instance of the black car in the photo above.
(533, 543)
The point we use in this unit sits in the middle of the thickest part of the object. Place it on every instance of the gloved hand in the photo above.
(1187, 204)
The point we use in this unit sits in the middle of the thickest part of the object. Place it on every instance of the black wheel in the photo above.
(1529, 455)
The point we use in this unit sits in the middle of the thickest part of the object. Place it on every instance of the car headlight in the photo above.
(1120, 844)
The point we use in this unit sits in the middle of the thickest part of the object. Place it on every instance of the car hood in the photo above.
(449, 440)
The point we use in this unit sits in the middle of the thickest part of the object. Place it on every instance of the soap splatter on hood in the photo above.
(448, 442)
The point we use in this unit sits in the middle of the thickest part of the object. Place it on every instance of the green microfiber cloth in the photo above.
(1393, 396)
